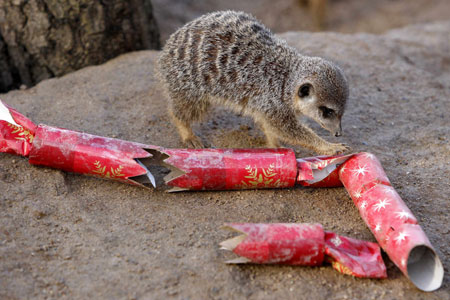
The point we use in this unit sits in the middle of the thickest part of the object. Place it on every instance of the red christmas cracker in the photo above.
(88, 154)
(227, 169)
(387, 216)
(305, 245)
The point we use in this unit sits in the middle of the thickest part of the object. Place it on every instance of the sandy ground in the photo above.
(67, 236)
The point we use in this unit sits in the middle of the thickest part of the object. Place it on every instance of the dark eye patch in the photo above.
(326, 112)
(304, 90)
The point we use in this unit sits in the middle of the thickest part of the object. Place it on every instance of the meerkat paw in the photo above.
(193, 142)
(335, 149)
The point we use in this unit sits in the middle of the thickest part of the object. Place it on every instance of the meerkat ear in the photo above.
(306, 92)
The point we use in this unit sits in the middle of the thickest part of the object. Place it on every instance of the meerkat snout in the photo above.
(322, 93)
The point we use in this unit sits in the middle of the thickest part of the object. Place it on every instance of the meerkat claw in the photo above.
(335, 149)
(341, 148)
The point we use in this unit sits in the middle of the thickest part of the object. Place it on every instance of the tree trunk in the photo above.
(40, 39)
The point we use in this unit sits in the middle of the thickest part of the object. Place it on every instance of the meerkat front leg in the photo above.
(290, 130)
(311, 140)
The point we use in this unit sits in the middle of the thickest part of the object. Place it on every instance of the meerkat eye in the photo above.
(304, 90)
(326, 112)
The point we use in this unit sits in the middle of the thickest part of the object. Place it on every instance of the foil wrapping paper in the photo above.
(304, 245)
(16, 131)
(87, 154)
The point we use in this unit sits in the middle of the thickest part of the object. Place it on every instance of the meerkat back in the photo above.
(220, 54)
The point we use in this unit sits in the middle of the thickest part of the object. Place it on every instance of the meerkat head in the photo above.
(321, 91)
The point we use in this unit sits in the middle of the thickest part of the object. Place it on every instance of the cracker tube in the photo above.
(73, 151)
(304, 245)
(83, 153)
(190, 169)
(230, 169)
(390, 220)
(385, 213)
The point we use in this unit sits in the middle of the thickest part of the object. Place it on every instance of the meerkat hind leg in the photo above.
(188, 137)
(183, 113)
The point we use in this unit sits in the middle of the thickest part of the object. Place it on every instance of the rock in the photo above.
(40, 39)
(401, 77)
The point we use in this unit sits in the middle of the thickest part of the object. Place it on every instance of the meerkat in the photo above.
(229, 58)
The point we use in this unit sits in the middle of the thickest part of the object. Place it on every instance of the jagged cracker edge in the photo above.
(159, 157)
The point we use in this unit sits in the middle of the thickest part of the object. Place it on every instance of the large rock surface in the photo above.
(69, 236)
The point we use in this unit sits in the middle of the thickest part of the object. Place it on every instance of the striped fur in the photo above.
(231, 59)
